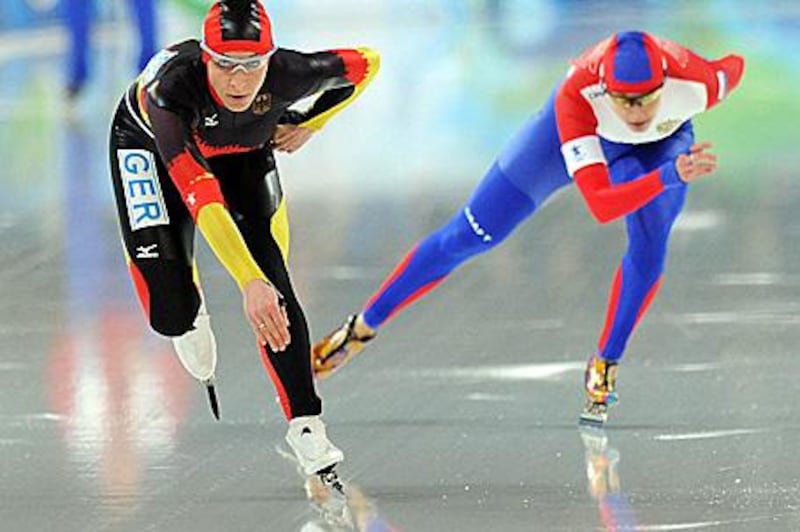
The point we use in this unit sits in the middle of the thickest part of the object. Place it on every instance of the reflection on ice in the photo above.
(354, 511)
(118, 401)
(604, 485)
(335, 511)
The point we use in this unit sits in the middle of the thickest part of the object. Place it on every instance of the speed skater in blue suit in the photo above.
(620, 127)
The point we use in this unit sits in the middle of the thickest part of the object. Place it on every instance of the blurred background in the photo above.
(463, 415)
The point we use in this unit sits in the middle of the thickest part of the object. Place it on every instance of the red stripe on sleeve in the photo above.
(198, 186)
(355, 65)
(682, 63)
(733, 67)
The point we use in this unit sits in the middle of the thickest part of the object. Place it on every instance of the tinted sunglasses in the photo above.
(640, 100)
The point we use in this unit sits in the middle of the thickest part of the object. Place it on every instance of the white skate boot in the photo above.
(197, 351)
(315, 453)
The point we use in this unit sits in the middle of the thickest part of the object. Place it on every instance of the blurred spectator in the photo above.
(79, 14)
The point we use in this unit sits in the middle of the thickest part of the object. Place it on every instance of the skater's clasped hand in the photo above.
(290, 138)
(697, 163)
(264, 308)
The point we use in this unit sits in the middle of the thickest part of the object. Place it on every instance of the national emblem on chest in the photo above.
(668, 126)
(262, 104)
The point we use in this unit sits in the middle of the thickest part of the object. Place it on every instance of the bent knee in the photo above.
(173, 318)
(170, 327)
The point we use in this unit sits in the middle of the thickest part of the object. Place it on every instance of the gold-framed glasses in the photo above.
(640, 100)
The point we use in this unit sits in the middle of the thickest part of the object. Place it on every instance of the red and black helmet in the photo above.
(238, 26)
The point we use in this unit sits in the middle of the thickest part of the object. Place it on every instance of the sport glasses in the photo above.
(641, 100)
(229, 64)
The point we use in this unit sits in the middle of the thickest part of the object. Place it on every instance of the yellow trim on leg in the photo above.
(196, 274)
(279, 226)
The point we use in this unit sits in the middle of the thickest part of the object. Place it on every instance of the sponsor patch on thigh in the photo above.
(143, 195)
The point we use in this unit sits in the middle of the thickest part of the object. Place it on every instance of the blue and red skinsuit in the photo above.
(577, 137)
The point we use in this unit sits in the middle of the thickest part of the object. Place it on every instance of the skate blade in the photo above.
(325, 367)
(591, 421)
(212, 399)
(320, 363)
(594, 416)
(330, 478)
(327, 476)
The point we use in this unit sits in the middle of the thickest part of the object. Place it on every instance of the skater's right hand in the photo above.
(698, 163)
(266, 312)
(290, 138)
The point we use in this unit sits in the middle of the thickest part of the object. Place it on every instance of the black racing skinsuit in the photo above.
(179, 160)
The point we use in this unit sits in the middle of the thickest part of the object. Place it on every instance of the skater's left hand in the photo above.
(265, 309)
(699, 162)
(290, 138)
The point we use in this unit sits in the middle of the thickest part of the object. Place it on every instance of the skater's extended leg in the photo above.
(491, 214)
(526, 173)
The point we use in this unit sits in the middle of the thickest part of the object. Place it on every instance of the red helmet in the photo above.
(238, 26)
(633, 63)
